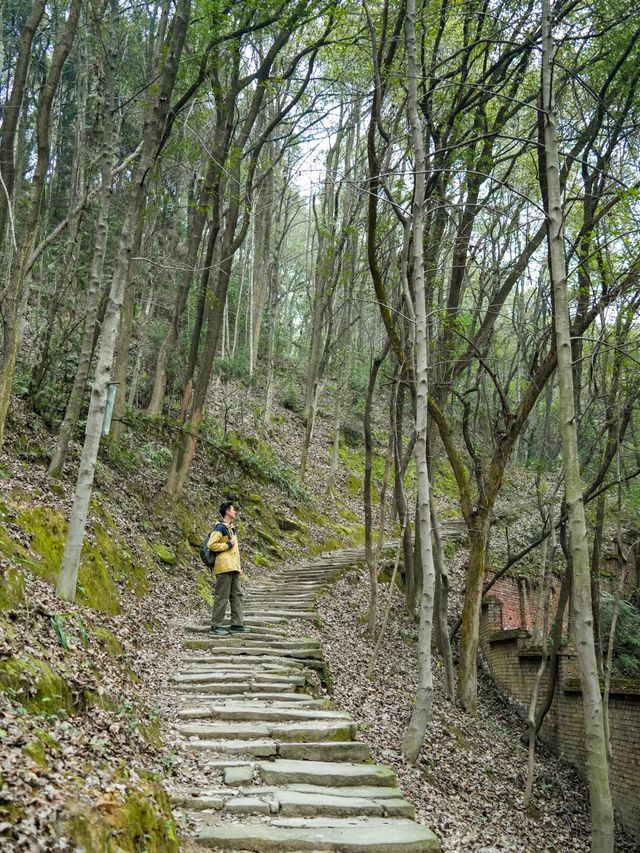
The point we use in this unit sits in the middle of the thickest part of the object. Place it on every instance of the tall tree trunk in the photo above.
(154, 127)
(372, 563)
(442, 604)
(11, 115)
(474, 578)
(422, 709)
(74, 404)
(121, 362)
(602, 825)
(14, 300)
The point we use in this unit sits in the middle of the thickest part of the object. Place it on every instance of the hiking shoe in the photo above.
(222, 632)
(239, 629)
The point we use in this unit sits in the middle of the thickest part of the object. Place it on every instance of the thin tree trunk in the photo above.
(534, 698)
(556, 642)
(609, 663)
(372, 564)
(442, 604)
(121, 362)
(422, 709)
(152, 135)
(15, 297)
(602, 825)
(74, 404)
(11, 115)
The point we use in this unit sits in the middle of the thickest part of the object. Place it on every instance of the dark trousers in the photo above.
(227, 589)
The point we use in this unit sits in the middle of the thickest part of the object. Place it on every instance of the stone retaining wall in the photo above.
(513, 664)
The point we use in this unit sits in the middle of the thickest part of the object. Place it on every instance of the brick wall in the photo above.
(513, 665)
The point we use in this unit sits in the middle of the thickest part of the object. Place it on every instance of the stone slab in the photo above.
(235, 688)
(297, 732)
(373, 835)
(247, 805)
(325, 751)
(217, 731)
(291, 772)
(215, 648)
(332, 803)
(238, 775)
(257, 748)
(378, 792)
(208, 677)
(246, 711)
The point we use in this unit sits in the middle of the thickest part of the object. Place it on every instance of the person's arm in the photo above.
(217, 542)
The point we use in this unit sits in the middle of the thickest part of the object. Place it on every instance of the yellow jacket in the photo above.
(227, 559)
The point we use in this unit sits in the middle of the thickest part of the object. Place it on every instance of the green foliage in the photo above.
(57, 623)
(35, 685)
(261, 463)
(155, 455)
(291, 400)
(626, 650)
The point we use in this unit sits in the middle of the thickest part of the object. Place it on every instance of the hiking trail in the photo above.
(286, 772)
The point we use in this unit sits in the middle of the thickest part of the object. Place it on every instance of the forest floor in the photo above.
(102, 751)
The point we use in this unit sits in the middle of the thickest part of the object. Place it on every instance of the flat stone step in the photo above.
(215, 649)
(196, 694)
(256, 748)
(260, 712)
(235, 668)
(247, 686)
(287, 614)
(299, 731)
(299, 804)
(247, 641)
(268, 678)
(244, 660)
(367, 792)
(291, 772)
(325, 751)
(358, 835)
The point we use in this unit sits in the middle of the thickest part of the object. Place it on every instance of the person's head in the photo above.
(227, 510)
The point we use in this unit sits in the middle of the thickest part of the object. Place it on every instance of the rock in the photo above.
(235, 776)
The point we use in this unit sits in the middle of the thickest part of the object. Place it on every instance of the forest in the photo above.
(407, 232)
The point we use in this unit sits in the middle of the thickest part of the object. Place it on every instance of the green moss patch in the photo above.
(104, 560)
(111, 643)
(11, 589)
(35, 685)
(204, 582)
(164, 554)
(140, 821)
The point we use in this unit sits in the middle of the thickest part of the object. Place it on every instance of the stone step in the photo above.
(237, 687)
(285, 835)
(248, 660)
(290, 772)
(351, 751)
(255, 628)
(294, 731)
(248, 641)
(333, 804)
(285, 614)
(215, 649)
(257, 748)
(209, 677)
(233, 667)
(324, 751)
(260, 712)
(194, 694)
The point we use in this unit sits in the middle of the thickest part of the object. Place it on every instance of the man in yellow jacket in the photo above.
(224, 543)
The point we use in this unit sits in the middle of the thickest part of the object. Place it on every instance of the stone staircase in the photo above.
(287, 773)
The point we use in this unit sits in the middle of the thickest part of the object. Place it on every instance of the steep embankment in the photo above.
(82, 760)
